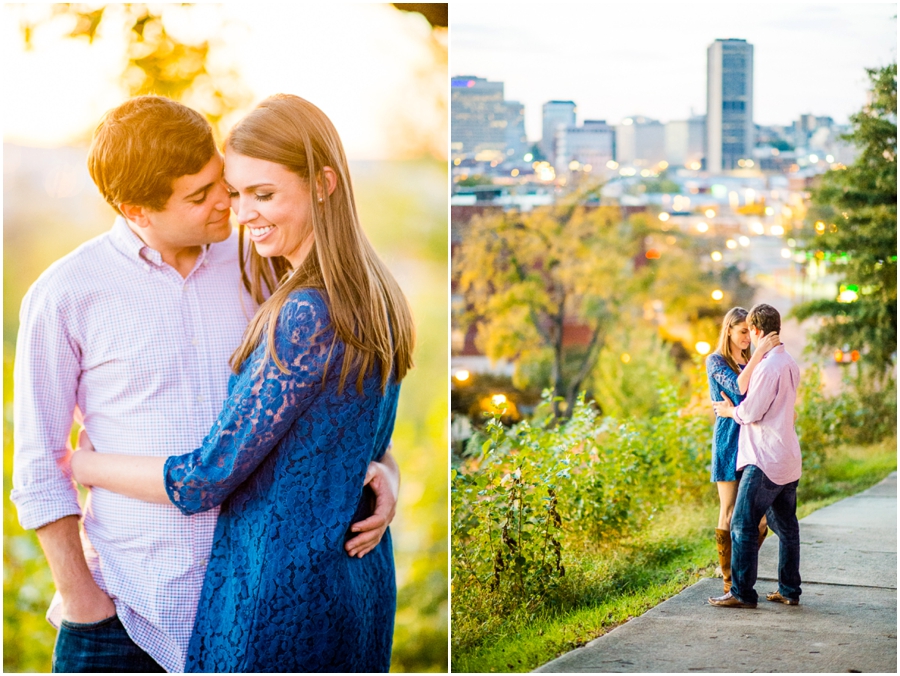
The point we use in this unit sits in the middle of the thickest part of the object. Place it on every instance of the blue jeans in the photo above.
(99, 647)
(757, 495)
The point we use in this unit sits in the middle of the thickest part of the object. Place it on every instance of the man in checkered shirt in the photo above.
(135, 329)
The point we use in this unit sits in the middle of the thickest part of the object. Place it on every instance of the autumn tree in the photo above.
(533, 280)
(852, 225)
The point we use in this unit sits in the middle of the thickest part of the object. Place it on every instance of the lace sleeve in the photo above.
(720, 373)
(261, 407)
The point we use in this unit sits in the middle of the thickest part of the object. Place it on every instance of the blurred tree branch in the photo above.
(155, 61)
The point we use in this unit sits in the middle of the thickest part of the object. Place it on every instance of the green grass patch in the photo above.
(607, 584)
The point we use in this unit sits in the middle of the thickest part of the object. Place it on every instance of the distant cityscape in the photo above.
(740, 187)
(489, 143)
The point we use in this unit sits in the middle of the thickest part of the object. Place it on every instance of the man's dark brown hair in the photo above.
(765, 318)
(143, 145)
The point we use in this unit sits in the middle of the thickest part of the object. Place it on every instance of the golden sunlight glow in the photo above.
(663, 216)
(625, 357)
(716, 255)
(462, 375)
(717, 294)
(703, 347)
(80, 81)
(702, 227)
(710, 213)
(498, 399)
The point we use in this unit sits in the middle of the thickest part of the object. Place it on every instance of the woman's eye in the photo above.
(264, 198)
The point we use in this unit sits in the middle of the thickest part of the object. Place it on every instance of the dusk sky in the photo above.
(617, 60)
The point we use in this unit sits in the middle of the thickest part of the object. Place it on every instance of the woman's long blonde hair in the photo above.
(368, 310)
(733, 317)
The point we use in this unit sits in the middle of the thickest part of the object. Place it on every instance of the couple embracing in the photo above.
(243, 536)
(756, 454)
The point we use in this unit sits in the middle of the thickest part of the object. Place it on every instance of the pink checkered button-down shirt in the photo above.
(144, 354)
(766, 416)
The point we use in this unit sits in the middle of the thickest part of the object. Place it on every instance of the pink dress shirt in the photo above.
(144, 355)
(766, 416)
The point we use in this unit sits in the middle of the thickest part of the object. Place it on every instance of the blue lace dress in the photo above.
(726, 431)
(286, 460)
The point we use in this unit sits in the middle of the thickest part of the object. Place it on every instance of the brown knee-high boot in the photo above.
(723, 544)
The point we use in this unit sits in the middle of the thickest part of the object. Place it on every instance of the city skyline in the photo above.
(809, 58)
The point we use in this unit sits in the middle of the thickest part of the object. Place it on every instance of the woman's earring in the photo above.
(321, 200)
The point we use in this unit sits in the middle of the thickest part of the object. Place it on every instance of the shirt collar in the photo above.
(127, 241)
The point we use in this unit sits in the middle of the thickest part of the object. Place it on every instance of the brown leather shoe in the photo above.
(729, 601)
(778, 598)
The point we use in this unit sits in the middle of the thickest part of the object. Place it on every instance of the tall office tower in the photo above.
(640, 141)
(593, 143)
(685, 140)
(555, 114)
(729, 104)
(516, 139)
(478, 117)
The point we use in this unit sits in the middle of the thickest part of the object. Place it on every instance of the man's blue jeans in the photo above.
(99, 647)
(757, 495)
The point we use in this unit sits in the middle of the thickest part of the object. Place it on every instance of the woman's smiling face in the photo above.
(274, 205)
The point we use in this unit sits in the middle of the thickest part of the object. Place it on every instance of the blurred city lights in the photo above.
(652, 254)
(663, 216)
(456, 162)
(587, 168)
(498, 399)
(829, 158)
(777, 230)
(612, 164)
(716, 255)
(744, 240)
(769, 211)
(574, 165)
(646, 172)
(814, 158)
(785, 253)
(514, 172)
(792, 242)
(462, 375)
(702, 347)
(702, 227)
(663, 165)
(528, 157)
(757, 227)
(717, 294)
(627, 121)
(731, 244)
(625, 357)
(710, 213)
(695, 166)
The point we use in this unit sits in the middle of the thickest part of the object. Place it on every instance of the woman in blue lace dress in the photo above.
(729, 369)
(312, 401)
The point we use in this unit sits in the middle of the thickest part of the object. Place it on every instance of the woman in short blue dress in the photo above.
(729, 369)
(311, 402)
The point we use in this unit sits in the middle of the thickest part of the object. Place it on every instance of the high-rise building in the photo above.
(516, 139)
(478, 116)
(729, 104)
(555, 114)
(685, 140)
(591, 144)
(640, 141)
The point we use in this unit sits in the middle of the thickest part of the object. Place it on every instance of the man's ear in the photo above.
(135, 214)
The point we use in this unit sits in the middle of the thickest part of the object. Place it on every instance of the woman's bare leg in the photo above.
(727, 495)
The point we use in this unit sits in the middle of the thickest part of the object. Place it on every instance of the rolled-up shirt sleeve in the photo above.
(760, 395)
(45, 376)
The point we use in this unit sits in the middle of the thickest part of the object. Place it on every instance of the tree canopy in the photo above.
(852, 226)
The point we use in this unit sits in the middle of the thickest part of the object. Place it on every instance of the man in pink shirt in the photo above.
(770, 463)
(135, 329)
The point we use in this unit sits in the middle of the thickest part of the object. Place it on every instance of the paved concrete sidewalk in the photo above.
(846, 620)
